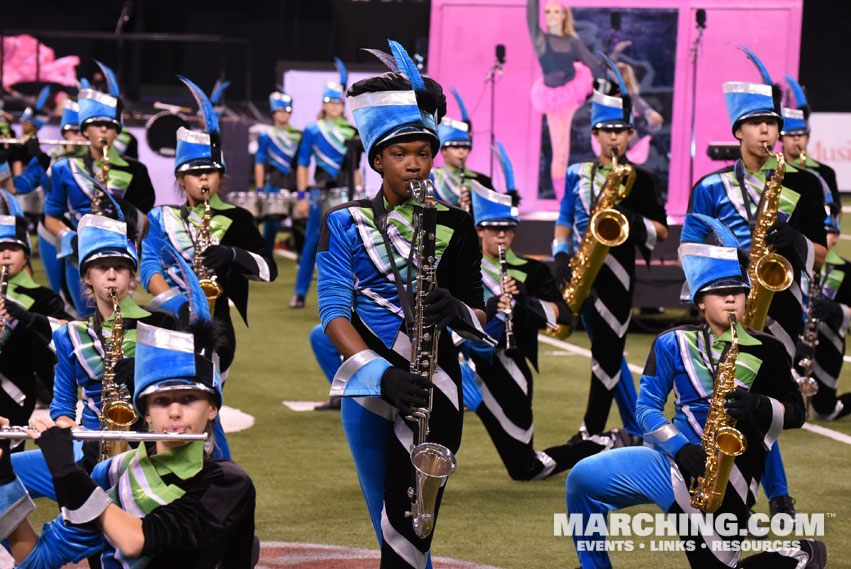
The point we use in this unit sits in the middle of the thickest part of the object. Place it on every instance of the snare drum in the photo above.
(33, 202)
(252, 201)
(334, 197)
(161, 132)
(278, 204)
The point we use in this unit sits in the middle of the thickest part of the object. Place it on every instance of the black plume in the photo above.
(209, 336)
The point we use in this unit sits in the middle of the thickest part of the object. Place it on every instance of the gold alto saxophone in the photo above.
(510, 340)
(98, 199)
(117, 412)
(464, 197)
(769, 272)
(206, 276)
(432, 462)
(721, 441)
(607, 228)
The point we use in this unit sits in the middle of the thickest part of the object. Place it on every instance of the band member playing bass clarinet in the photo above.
(371, 252)
(164, 504)
(727, 380)
(607, 317)
(737, 195)
(521, 299)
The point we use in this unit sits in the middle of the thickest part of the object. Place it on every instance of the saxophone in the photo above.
(802, 155)
(510, 340)
(98, 198)
(721, 441)
(432, 462)
(806, 384)
(769, 272)
(206, 276)
(607, 228)
(464, 198)
(117, 413)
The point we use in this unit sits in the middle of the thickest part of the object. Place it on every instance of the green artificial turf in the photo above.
(307, 489)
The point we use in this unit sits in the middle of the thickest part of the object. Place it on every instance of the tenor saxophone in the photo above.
(432, 462)
(117, 412)
(607, 228)
(206, 276)
(721, 441)
(769, 272)
(98, 198)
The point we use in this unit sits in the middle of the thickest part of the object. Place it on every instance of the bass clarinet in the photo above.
(432, 462)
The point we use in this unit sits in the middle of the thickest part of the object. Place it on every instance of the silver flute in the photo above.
(46, 141)
(16, 432)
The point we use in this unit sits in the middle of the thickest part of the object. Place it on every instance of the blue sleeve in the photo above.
(702, 197)
(56, 199)
(152, 244)
(65, 385)
(565, 212)
(262, 148)
(305, 148)
(30, 178)
(59, 545)
(335, 266)
(657, 381)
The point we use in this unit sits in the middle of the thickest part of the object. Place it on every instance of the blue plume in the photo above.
(341, 68)
(218, 91)
(614, 68)
(199, 308)
(797, 91)
(406, 67)
(97, 184)
(507, 169)
(42, 98)
(205, 109)
(84, 84)
(464, 116)
(111, 81)
(766, 78)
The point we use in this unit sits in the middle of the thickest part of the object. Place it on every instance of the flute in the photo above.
(17, 432)
(49, 141)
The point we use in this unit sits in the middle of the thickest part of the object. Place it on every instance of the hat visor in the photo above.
(613, 124)
(200, 164)
(458, 144)
(176, 384)
(724, 284)
(406, 133)
(794, 131)
(499, 223)
(108, 254)
(90, 120)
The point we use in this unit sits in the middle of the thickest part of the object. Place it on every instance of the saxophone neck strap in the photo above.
(404, 290)
(739, 171)
(706, 352)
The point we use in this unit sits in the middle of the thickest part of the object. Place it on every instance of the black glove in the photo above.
(404, 390)
(829, 312)
(218, 257)
(34, 151)
(440, 309)
(746, 406)
(492, 307)
(785, 239)
(74, 487)
(802, 351)
(4, 154)
(7, 473)
(17, 312)
(691, 461)
(562, 272)
(75, 246)
(125, 373)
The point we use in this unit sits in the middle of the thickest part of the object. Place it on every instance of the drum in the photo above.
(161, 132)
(252, 201)
(33, 202)
(334, 197)
(278, 204)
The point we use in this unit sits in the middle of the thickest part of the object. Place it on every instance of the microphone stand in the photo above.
(491, 77)
(696, 47)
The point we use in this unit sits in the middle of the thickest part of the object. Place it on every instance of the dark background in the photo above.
(310, 32)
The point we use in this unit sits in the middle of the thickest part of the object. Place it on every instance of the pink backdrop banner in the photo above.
(464, 35)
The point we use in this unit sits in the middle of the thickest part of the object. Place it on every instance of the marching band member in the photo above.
(498, 381)
(733, 195)
(32, 119)
(328, 142)
(273, 162)
(366, 310)
(237, 252)
(31, 313)
(456, 143)
(763, 399)
(607, 317)
(163, 504)
(71, 189)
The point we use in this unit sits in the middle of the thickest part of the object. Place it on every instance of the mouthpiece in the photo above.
(732, 318)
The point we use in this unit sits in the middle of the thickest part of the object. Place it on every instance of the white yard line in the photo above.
(573, 349)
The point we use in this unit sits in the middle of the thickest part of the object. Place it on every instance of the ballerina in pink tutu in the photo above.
(567, 77)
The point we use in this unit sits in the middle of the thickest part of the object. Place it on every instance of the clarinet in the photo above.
(4, 285)
(510, 340)
(806, 384)
(464, 198)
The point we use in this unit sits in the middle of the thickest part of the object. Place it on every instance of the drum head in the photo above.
(161, 132)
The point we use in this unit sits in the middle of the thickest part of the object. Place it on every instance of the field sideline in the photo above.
(307, 490)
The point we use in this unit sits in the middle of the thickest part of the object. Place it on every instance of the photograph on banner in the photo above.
(642, 43)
